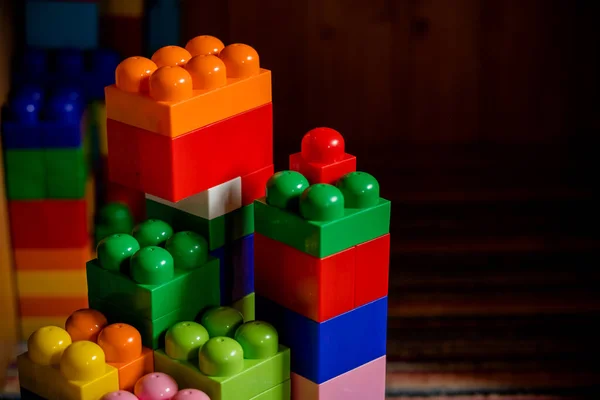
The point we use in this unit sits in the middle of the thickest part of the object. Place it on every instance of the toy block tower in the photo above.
(321, 270)
(192, 129)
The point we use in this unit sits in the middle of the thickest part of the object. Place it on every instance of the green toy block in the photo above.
(218, 231)
(192, 289)
(25, 174)
(322, 219)
(245, 305)
(257, 376)
(66, 173)
(283, 391)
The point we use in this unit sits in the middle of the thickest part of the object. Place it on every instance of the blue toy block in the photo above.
(322, 351)
(163, 23)
(237, 268)
(61, 24)
(33, 120)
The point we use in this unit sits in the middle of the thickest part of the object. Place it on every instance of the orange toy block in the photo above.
(180, 90)
(52, 259)
(50, 306)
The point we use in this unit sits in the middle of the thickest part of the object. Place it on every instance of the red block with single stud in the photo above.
(372, 270)
(323, 158)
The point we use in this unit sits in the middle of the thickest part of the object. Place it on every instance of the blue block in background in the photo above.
(61, 24)
(237, 269)
(325, 350)
(163, 23)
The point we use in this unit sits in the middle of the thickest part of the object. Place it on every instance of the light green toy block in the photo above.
(282, 391)
(245, 305)
(193, 289)
(66, 173)
(25, 174)
(218, 231)
(256, 378)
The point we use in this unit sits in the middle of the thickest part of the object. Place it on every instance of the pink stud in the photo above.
(119, 395)
(191, 394)
(155, 386)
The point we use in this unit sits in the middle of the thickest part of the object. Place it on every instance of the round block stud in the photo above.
(171, 84)
(64, 106)
(155, 386)
(152, 266)
(119, 395)
(171, 56)
(189, 250)
(191, 394)
(284, 189)
(258, 339)
(115, 251)
(222, 321)
(221, 356)
(322, 202)
(85, 324)
(208, 72)
(204, 45)
(240, 60)
(152, 232)
(133, 74)
(116, 216)
(184, 340)
(360, 190)
(25, 105)
(83, 361)
(46, 345)
(120, 342)
(323, 146)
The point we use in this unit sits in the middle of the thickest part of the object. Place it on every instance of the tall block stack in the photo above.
(321, 270)
(192, 129)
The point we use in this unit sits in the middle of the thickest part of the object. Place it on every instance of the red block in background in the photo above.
(322, 173)
(319, 289)
(43, 224)
(372, 270)
(176, 168)
(254, 185)
(134, 199)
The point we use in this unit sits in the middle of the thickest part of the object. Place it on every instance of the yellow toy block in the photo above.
(29, 325)
(123, 8)
(43, 283)
(57, 369)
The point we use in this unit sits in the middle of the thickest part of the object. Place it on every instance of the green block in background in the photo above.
(66, 173)
(193, 289)
(25, 174)
(245, 305)
(218, 231)
(282, 391)
(322, 239)
(257, 377)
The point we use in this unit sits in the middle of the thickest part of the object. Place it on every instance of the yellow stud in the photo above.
(83, 361)
(46, 345)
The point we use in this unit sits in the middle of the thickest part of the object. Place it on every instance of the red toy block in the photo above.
(372, 270)
(318, 289)
(176, 168)
(43, 224)
(254, 185)
(323, 158)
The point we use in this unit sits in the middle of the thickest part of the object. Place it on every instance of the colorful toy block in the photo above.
(254, 184)
(25, 174)
(60, 24)
(176, 168)
(51, 259)
(372, 270)
(111, 219)
(66, 173)
(209, 204)
(237, 268)
(279, 392)
(220, 81)
(322, 219)
(325, 350)
(323, 158)
(364, 382)
(50, 306)
(57, 283)
(246, 306)
(246, 363)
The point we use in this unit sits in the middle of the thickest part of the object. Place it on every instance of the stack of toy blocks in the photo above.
(321, 265)
(192, 129)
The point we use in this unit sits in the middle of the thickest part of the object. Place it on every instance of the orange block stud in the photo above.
(122, 345)
(85, 324)
(180, 90)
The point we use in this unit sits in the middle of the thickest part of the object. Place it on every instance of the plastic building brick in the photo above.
(66, 173)
(364, 382)
(156, 386)
(51, 283)
(279, 392)
(163, 23)
(246, 306)
(163, 95)
(174, 169)
(50, 306)
(212, 203)
(323, 158)
(254, 184)
(322, 219)
(372, 270)
(134, 199)
(57, 369)
(237, 268)
(25, 174)
(246, 364)
(316, 288)
(58, 223)
(60, 24)
(111, 219)
(325, 350)
(51, 259)
(85, 324)
(218, 231)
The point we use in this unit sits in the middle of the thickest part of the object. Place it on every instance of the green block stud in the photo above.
(25, 174)
(245, 305)
(185, 339)
(222, 321)
(113, 218)
(284, 189)
(115, 252)
(66, 173)
(152, 232)
(189, 249)
(258, 339)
